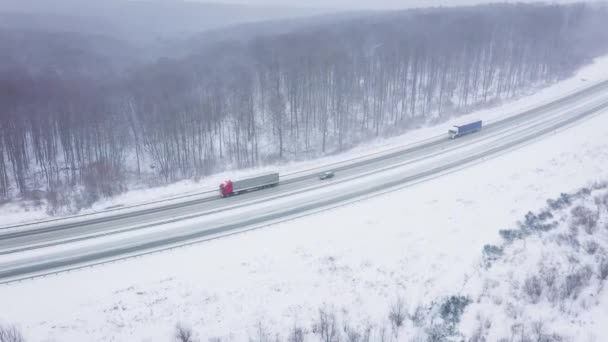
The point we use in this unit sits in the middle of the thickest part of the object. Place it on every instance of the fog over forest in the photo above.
(96, 98)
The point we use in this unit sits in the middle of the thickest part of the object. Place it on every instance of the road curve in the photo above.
(173, 209)
(496, 138)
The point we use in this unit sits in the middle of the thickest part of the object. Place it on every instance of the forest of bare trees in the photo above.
(292, 96)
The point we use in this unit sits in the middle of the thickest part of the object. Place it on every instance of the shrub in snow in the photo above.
(585, 218)
(397, 314)
(534, 223)
(56, 201)
(418, 316)
(562, 202)
(602, 269)
(533, 288)
(604, 201)
(437, 333)
(452, 308)
(585, 191)
(591, 247)
(296, 334)
(491, 253)
(480, 334)
(103, 178)
(352, 334)
(183, 334)
(570, 239)
(545, 215)
(576, 281)
(548, 275)
(10, 334)
(534, 332)
(510, 235)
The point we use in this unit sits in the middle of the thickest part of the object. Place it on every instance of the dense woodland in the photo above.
(318, 90)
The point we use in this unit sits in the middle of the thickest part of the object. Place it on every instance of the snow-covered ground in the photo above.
(420, 243)
(548, 278)
(28, 211)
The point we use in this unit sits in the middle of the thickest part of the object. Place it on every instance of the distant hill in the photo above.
(137, 20)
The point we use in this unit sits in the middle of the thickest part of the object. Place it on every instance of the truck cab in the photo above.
(453, 132)
(226, 189)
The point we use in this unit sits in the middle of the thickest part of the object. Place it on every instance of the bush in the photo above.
(490, 254)
(536, 223)
(452, 308)
(397, 314)
(437, 333)
(548, 276)
(570, 239)
(57, 201)
(10, 334)
(576, 282)
(591, 247)
(296, 334)
(585, 218)
(533, 289)
(354, 335)
(510, 235)
(563, 201)
(545, 215)
(103, 178)
(604, 200)
(603, 269)
(418, 316)
(481, 331)
(183, 334)
(583, 192)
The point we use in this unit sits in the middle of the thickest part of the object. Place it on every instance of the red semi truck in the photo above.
(230, 188)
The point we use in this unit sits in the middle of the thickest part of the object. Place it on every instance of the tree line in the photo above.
(292, 96)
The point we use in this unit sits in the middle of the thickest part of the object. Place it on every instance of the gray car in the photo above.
(326, 175)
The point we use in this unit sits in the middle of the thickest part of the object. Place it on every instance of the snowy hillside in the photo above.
(421, 246)
(35, 210)
(547, 279)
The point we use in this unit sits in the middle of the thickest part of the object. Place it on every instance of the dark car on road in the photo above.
(326, 175)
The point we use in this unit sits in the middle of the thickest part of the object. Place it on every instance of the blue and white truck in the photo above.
(458, 131)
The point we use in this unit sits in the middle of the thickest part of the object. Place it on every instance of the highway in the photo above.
(38, 249)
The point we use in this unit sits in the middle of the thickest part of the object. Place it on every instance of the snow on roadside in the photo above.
(420, 243)
(13, 213)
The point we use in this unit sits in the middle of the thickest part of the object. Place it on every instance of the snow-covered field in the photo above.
(420, 243)
(28, 211)
(548, 277)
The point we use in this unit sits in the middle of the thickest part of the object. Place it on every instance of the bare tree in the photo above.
(296, 334)
(326, 326)
(305, 93)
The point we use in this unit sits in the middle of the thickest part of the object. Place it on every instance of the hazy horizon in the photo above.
(339, 5)
(370, 5)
